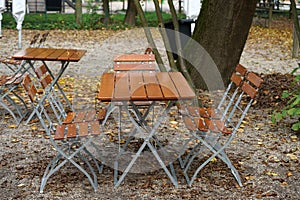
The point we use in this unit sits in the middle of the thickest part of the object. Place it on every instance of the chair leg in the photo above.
(53, 166)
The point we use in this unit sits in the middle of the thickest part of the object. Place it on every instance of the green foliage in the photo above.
(292, 108)
(91, 20)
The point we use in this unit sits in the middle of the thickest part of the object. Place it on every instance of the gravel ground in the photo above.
(266, 155)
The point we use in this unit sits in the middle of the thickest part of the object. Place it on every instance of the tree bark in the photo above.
(221, 30)
(106, 11)
(149, 36)
(78, 11)
(131, 13)
(296, 29)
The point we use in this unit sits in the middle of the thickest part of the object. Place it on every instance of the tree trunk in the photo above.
(106, 11)
(221, 29)
(78, 11)
(131, 13)
(296, 32)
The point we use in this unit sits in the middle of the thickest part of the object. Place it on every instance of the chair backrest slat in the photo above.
(254, 79)
(248, 89)
(241, 69)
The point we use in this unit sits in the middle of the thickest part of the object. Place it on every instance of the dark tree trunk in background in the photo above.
(221, 29)
(131, 13)
(78, 11)
(106, 11)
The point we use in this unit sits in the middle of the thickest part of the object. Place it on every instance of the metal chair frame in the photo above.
(217, 134)
(69, 139)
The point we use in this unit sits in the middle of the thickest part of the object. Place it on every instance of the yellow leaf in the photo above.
(12, 126)
(292, 156)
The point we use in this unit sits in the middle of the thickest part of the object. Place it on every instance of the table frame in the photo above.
(128, 88)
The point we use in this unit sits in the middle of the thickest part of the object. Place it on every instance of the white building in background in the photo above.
(192, 9)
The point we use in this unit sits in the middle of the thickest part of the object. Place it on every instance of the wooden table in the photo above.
(65, 56)
(132, 87)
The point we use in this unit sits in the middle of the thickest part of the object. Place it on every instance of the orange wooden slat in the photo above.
(95, 128)
(71, 131)
(248, 89)
(79, 117)
(60, 132)
(90, 115)
(193, 111)
(55, 54)
(101, 114)
(211, 125)
(83, 129)
(221, 126)
(135, 67)
(33, 54)
(254, 79)
(137, 87)
(122, 91)
(153, 89)
(236, 79)
(241, 69)
(76, 55)
(40, 71)
(69, 118)
(182, 86)
(201, 125)
(71, 55)
(44, 55)
(106, 87)
(46, 81)
(167, 86)
(20, 55)
(190, 125)
(134, 58)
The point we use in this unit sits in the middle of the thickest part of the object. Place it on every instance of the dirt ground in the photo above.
(266, 155)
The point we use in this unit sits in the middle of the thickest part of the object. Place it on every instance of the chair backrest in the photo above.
(43, 76)
(242, 102)
(237, 79)
(34, 40)
(50, 100)
(43, 39)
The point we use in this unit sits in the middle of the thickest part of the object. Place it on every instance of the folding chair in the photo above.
(45, 78)
(10, 99)
(216, 134)
(70, 138)
(236, 81)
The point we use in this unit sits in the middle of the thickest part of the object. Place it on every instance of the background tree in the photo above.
(106, 11)
(131, 13)
(78, 11)
(222, 29)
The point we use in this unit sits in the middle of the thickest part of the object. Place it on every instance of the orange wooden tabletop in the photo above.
(144, 86)
(50, 54)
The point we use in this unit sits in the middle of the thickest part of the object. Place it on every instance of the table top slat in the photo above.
(19, 55)
(106, 89)
(33, 54)
(167, 86)
(44, 54)
(56, 54)
(122, 91)
(182, 86)
(72, 55)
(153, 89)
(137, 87)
